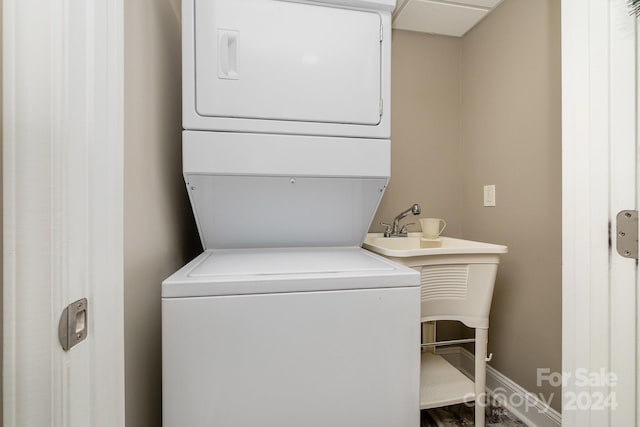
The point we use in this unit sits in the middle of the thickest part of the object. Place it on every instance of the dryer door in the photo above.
(285, 61)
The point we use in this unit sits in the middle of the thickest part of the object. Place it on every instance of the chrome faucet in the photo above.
(394, 230)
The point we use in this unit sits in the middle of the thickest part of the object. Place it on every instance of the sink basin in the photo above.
(410, 246)
(394, 243)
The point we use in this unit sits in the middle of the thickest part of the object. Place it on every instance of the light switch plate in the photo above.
(489, 195)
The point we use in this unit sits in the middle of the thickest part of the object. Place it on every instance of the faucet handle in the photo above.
(388, 230)
(403, 230)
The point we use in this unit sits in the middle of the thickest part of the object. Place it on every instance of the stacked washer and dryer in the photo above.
(284, 320)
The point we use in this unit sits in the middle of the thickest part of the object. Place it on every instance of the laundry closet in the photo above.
(284, 319)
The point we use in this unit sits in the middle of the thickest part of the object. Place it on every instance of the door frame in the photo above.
(599, 179)
(63, 140)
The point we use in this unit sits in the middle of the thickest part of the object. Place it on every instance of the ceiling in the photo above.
(450, 18)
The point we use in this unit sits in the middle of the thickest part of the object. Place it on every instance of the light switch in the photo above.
(490, 195)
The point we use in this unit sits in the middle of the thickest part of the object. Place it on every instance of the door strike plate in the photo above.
(627, 234)
(72, 327)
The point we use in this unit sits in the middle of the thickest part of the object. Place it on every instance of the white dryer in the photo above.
(316, 67)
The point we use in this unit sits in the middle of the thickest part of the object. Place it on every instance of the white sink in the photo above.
(456, 283)
(411, 246)
(456, 278)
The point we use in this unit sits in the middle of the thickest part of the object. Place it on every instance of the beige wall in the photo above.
(511, 137)
(425, 135)
(425, 130)
(159, 233)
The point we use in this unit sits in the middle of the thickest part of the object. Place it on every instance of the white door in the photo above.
(600, 179)
(279, 60)
(624, 189)
(62, 189)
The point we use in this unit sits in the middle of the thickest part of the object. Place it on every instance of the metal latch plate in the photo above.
(72, 327)
(627, 234)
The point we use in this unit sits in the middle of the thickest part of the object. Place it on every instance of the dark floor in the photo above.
(463, 415)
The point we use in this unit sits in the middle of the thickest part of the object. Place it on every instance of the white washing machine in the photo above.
(311, 337)
(284, 320)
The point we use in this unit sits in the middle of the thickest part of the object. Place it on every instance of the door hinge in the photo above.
(627, 234)
(72, 327)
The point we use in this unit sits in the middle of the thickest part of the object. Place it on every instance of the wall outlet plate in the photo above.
(489, 195)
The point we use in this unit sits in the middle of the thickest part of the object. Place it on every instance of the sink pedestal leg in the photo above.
(482, 338)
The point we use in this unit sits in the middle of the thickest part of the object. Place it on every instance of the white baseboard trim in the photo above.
(512, 396)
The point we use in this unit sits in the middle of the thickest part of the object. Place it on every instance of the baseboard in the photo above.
(531, 410)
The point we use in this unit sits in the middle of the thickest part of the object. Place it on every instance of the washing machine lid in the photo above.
(260, 271)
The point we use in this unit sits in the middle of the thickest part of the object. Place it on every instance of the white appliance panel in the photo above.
(229, 153)
(317, 359)
(236, 211)
(279, 270)
(277, 60)
(257, 190)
